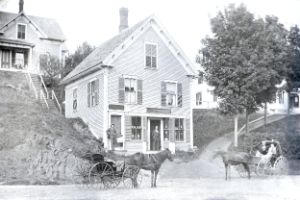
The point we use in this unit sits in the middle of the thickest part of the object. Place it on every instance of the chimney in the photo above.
(123, 19)
(21, 6)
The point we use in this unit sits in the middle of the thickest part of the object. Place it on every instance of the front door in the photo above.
(155, 139)
(116, 120)
(5, 59)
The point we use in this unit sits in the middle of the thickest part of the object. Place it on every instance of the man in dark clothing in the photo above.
(156, 139)
(112, 135)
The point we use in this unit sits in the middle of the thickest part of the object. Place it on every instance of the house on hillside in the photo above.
(203, 96)
(25, 38)
(137, 80)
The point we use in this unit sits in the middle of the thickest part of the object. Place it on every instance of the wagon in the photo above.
(263, 165)
(96, 171)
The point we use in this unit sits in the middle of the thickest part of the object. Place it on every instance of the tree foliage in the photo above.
(52, 69)
(74, 59)
(244, 59)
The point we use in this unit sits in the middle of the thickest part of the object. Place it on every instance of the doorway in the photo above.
(155, 146)
(116, 120)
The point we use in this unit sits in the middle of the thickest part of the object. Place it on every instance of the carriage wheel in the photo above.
(80, 174)
(281, 166)
(129, 175)
(98, 172)
(264, 168)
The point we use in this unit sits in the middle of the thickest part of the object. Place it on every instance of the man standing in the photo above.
(112, 135)
(156, 139)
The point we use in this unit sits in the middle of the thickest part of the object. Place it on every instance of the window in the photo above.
(21, 31)
(199, 99)
(93, 89)
(130, 90)
(166, 129)
(171, 93)
(136, 128)
(280, 95)
(75, 100)
(213, 95)
(179, 129)
(151, 56)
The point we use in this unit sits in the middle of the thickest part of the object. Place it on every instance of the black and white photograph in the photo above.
(149, 100)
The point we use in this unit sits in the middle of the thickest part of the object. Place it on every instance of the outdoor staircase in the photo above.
(45, 95)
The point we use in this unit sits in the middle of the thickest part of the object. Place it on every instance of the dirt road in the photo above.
(275, 188)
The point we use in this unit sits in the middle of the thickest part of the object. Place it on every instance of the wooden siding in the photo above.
(93, 116)
(132, 63)
(41, 46)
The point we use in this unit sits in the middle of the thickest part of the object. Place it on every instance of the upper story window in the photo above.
(151, 56)
(130, 90)
(93, 93)
(75, 100)
(171, 94)
(21, 28)
(199, 99)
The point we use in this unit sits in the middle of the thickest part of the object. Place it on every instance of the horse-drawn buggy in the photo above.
(96, 171)
(266, 160)
(93, 170)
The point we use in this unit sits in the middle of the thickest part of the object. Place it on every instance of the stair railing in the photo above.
(31, 84)
(44, 98)
(56, 100)
(44, 87)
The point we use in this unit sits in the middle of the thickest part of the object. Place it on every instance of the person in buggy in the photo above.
(269, 150)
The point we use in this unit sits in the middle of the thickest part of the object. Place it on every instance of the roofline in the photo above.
(84, 73)
(53, 39)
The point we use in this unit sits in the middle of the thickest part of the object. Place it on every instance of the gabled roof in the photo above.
(106, 52)
(49, 27)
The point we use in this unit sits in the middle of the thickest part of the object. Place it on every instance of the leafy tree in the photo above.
(52, 68)
(74, 59)
(293, 73)
(243, 59)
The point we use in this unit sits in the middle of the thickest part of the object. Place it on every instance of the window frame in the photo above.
(179, 129)
(17, 31)
(134, 135)
(75, 99)
(94, 80)
(197, 102)
(176, 93)
(145, 56)
(135, 90)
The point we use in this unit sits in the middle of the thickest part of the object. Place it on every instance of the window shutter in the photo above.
(97, 91)
(144, 129)
(179, 93)
(89, 94)
(121, 90)
(140, 92)
(163, 93)
(128, 128)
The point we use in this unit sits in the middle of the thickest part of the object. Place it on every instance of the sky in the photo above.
(187, 21)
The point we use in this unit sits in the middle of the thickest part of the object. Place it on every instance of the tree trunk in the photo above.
(247, 122)
(236, 130)
(265, 114)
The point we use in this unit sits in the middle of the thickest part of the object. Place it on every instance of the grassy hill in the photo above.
(35, 144)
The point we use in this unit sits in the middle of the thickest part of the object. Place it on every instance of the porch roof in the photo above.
(15, 43)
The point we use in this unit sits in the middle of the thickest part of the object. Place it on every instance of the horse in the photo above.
(150, 162)
(234, 158)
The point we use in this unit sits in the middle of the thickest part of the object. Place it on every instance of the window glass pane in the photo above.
(21, 31)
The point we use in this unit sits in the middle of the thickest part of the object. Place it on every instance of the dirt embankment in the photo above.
(36, 145)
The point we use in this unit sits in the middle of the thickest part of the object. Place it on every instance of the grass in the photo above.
(210, 124)
(27, 129)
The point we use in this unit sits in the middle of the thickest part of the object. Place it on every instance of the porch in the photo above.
(15, 55)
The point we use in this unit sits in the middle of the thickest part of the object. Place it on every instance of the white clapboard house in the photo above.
(136, 80)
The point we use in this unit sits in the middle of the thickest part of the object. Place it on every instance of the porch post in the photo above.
(236, 130)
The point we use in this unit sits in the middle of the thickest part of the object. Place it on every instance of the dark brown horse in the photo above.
(150, 162)
(234, 158)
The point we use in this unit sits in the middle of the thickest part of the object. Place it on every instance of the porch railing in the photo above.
(56, 100)
(44, 87)
(31, 84)
(44, 98)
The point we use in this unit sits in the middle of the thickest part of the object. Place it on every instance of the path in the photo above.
(205, 166)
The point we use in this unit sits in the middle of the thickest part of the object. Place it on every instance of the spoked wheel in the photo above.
(131, 177)
(80, 174)
(280, 166)
(101, 174)
(264, 168)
